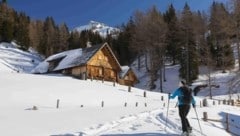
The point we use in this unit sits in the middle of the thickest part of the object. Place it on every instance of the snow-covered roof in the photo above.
(76, 57)
(124, 71)
(69, 59)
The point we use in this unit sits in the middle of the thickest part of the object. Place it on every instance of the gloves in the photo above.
(194, 106)
(169, 95)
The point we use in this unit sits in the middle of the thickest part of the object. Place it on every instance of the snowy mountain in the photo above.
(100, 28)
(29, 104)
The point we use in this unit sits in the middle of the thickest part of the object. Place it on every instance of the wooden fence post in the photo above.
(102, 104)
(224, 101)
(205, 116)
(57, 103)
(205, 104)
(162, 98)
(144, 94)
(227, 122)
(232, 102)
(136, 104)
(129, 88)
(114, 84)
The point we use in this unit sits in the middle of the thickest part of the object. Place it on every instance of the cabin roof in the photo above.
(77, 57)
(74, 57)
(124, 71)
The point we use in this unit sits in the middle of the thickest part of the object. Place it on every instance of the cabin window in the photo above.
(92, 71)
(100, 71)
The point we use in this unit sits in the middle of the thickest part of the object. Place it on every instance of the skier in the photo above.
(185, 99)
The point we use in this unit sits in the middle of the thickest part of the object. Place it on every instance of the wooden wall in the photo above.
(129, 79)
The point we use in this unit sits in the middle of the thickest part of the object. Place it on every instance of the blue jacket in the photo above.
(178, 92)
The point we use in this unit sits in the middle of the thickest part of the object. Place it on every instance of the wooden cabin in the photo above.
(127, 76)
(95, 62)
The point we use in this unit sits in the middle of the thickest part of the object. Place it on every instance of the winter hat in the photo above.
(182, 83)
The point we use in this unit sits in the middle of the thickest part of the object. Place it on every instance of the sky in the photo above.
(80, 112)
(111, 12)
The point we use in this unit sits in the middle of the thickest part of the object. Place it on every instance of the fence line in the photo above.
(229, 122)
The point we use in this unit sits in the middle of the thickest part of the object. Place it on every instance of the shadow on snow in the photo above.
(141, 134)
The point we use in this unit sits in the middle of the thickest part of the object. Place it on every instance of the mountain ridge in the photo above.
(98, 27)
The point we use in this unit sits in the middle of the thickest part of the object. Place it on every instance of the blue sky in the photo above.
(111, 12)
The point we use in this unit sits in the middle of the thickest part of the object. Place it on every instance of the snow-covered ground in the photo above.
(93, 108)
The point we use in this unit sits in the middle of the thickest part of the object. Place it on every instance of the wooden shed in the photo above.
(127, 76)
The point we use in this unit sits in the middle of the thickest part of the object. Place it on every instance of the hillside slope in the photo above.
(13, 59)
(29, 104)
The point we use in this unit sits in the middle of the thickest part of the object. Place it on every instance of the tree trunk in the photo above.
(238, 51)
(139, 62)
(146, 62)
(160, 78)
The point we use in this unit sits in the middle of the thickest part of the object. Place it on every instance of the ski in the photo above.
(188, 134)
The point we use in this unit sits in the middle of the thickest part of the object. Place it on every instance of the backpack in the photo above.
(186, 98)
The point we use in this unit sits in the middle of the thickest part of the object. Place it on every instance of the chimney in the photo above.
(89, 44)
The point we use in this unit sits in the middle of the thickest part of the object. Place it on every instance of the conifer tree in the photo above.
(236, 26)
(63, 36)
(74, 40)
(220, 28)
(201, 33)
(121, 44)
(21, 30)
(36, 34)
(172, 37)
(50, 36)
(6, 23)
(149, 38)
(189, 61)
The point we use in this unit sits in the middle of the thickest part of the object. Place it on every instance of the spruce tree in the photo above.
(21, 30)
(74, 40)
(172, 37)
(6, 23)
(236, 26)
(220, 28)
(121, 44)
(149, 38)
(189, 61)
(50, 37)
(63, 36)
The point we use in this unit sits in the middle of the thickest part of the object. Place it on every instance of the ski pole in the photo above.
(167, 111)
(198, 121)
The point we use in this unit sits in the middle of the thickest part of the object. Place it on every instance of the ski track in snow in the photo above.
(133, 123)
(155, 119)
